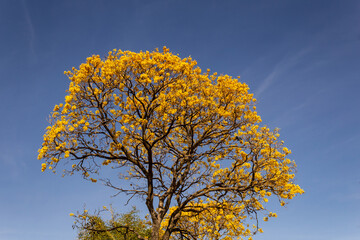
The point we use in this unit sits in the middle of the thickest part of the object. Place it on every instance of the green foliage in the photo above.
(128, 226)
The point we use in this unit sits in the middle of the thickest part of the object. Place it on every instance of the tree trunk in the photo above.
(166, 235)
(155, 231)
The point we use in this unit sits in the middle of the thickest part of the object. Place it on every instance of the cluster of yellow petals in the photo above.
(100, 83)
(217, 220)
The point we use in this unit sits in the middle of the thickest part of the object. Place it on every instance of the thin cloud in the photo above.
(281, 68)
(341, 197)
(317, 42)
(11, 161)
(295, 111)
(30, 28)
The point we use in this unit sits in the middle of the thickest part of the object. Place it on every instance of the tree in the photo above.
(189, 143)
(127, 226)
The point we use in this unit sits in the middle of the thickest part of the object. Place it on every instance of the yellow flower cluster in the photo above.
(213, 220)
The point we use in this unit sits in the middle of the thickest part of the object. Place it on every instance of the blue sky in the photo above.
(301, 59)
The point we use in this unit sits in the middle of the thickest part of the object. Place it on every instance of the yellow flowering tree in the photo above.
(188, 142)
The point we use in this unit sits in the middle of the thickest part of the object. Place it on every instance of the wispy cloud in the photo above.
(281, 68)
(6, 232)
(30, 28)
(331, 50)
(10, 160)
(295, 112)
(345, 197)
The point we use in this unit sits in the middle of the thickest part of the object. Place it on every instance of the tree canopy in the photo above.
(187, 142)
